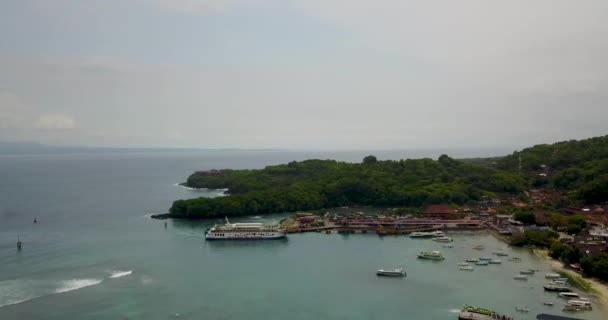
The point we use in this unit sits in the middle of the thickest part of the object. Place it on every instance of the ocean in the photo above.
(96, 254)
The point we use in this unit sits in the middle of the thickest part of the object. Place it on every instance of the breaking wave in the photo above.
(75, 284)
(118, 274)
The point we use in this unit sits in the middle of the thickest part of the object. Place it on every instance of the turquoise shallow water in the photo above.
(96, 255)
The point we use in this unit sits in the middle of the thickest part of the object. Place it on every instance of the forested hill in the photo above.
(316, 184)
(578, 166)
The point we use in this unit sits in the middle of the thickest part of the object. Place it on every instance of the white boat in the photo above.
(552, 276)
(466, 268)
(431, 255)
(581, 304)
(522, 309)
(245, 231)
(521, 277)
(433, 234)
(443, 239)
(560, 282)
(472, 260)
(569, 295)
(391, 273)
(495, 261)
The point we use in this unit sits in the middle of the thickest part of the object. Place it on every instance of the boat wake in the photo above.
(118, 274)
(454, 310)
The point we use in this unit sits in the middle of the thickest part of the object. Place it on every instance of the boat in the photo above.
(560, 282)
(479, 247)
(443, 239)
(466, 268)
(391, 273)
(448, 246)
(463, 264)
(521, 277)
(527, 272)
(548, 303)
(502, 254)
(472, 260)
(485, 258)
(433, 234)
(556, 288)
(569, 295)
(552, 276)
(495, 261)
(482, 263)
(581, 304)
(516, 259)
(245, 231)
(431, 255)
(476, 313)
(522, 309)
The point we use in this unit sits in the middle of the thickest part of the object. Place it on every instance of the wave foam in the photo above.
(75, 284)
(118, 274)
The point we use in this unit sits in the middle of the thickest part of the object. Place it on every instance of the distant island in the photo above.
(576, 169)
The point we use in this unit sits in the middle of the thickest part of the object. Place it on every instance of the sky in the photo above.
(303, 74)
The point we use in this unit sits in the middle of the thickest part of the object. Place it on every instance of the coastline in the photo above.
(597, 289)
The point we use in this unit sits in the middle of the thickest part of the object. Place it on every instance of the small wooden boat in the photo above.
(399, 272)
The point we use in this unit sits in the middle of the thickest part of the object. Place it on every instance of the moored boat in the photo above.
(569, 295)
(556, 288)
(476, 313)
(431, 255)
(495, 261)
(479, 247)
(552, 276)
(463, 264)
(245, 231)
(399, 272)
(501, 254)
(522, 309)
(433, 234)
(485, 258)
(443, 239)
(581, 304)
(521, 277)
(527, 272)
(466, 268)
(472, 260)
(482, 263)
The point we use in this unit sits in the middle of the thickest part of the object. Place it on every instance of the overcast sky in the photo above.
(315, 74)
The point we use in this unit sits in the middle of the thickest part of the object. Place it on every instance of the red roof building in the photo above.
(438, 210)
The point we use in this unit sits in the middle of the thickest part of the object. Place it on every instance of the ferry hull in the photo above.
(245, 237)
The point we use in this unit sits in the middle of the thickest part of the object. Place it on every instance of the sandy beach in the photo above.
(596, 288)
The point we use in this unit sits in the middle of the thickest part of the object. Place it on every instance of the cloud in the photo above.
(55, 122)
(14, 114)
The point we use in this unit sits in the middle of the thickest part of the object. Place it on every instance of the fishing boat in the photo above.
(482, 263)
(443, 239)
(521, 277)
(495, 261)
(581, 304)
(552, 276)
(485, 258)
(466, 268)
(548, 303)
(569, 295)
(501, 254)
(431, 255)
(476, 313)
(556, 288)
(472, 260)
(527, 272)
(522, 309)
(399, 272)
(463, 264)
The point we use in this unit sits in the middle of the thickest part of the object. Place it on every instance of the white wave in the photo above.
(454, 310)
(118, 274)
(75, 284)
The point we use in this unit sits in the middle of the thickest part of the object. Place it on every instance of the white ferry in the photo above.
(245, 231)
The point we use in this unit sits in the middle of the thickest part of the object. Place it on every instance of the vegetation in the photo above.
(538, 238)
(316, 184)
(579, 166)
(564, 252)
(525, 216)
(596, 266)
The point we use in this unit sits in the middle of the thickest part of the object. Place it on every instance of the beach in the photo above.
(598, 289)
